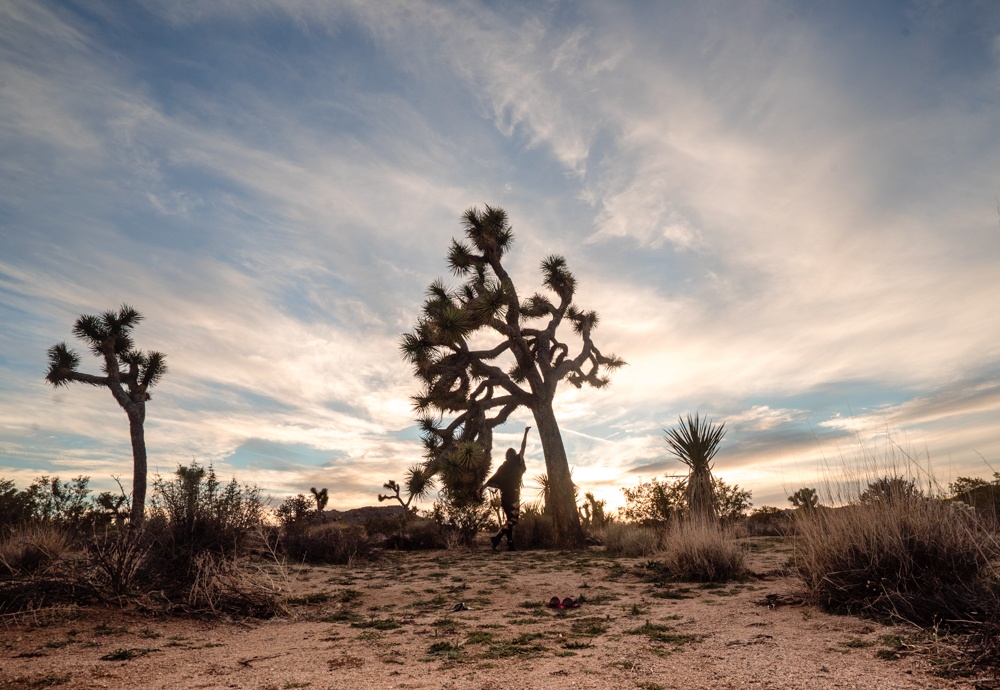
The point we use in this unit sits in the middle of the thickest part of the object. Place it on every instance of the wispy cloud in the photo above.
(782, 213)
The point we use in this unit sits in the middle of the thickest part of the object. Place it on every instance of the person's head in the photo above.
(512, 455)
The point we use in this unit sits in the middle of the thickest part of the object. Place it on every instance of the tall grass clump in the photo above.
(623, 539)
(696, 551)
(899, 556)
(326, 543)
(31, 547)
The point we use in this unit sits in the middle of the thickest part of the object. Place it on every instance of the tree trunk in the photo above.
(136, 417)
(561, 503)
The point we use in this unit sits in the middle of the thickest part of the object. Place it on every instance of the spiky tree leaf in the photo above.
(419, 482)
(62, 360)
(152, 369)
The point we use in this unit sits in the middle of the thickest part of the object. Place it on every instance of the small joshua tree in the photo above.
(695, 443)
(322, 497)
(805, 499)
(128, 374)
(418, 485)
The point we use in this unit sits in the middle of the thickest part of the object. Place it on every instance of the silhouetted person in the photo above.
(507, 479)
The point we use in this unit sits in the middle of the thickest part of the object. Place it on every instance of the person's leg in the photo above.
(513, 513)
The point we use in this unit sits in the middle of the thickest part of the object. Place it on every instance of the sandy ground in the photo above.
(389, 624)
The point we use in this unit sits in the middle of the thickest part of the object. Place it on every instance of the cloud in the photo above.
(776, 219)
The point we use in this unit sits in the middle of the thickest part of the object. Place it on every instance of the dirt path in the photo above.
(389, 624)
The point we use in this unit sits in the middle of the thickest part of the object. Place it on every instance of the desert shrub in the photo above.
(534, 530)
(890, 490)
(198, 529)
(117, 558)
(768, 521)
(695, 551)
(662, 502)
(221, 585)
(31, 547)
(900, 557)
(415, 534)
(327, 543)
(654, 502)
(16, 507)
(386, 526)
(622, 539)
(983, 496)
(194, 512)
(295, 510)
(461, 522)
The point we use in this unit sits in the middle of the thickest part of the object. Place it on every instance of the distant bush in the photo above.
(768, 521)
(898, 556)
(51, 500)
(413, 534)
(805, 498)
(621, 539)
(296, 510)
(16, 507)
(327, 543)
(699, 552)
(662, 502)
(981, 495)
(890, 490)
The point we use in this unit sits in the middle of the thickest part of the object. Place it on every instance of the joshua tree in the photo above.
(695, 443)
(805, 498)
(128, 374)
(322, 497)
(471, 386)
(418, 485)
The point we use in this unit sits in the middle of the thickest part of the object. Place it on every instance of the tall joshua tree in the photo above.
(695, 443)
(465, 337)
(128, 374)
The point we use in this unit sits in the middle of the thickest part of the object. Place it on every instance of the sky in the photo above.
(786, 213)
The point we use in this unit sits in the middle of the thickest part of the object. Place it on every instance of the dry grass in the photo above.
(327, 543)
(622, 539)
(31, 548)
(695, 551)
(917, 560)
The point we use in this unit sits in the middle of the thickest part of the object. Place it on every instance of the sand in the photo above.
(390, 624)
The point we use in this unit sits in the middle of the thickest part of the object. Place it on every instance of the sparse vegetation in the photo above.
(662, 502)
(703, 552)
(326, 543)
(623, 539)
(898, 556)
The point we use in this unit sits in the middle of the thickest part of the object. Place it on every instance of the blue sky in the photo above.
(785, 212)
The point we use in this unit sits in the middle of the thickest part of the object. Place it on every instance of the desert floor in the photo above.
(390, 624)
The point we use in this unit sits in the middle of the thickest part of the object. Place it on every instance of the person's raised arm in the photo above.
(524, 441)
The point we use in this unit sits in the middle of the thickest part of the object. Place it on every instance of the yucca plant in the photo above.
(695, 442)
